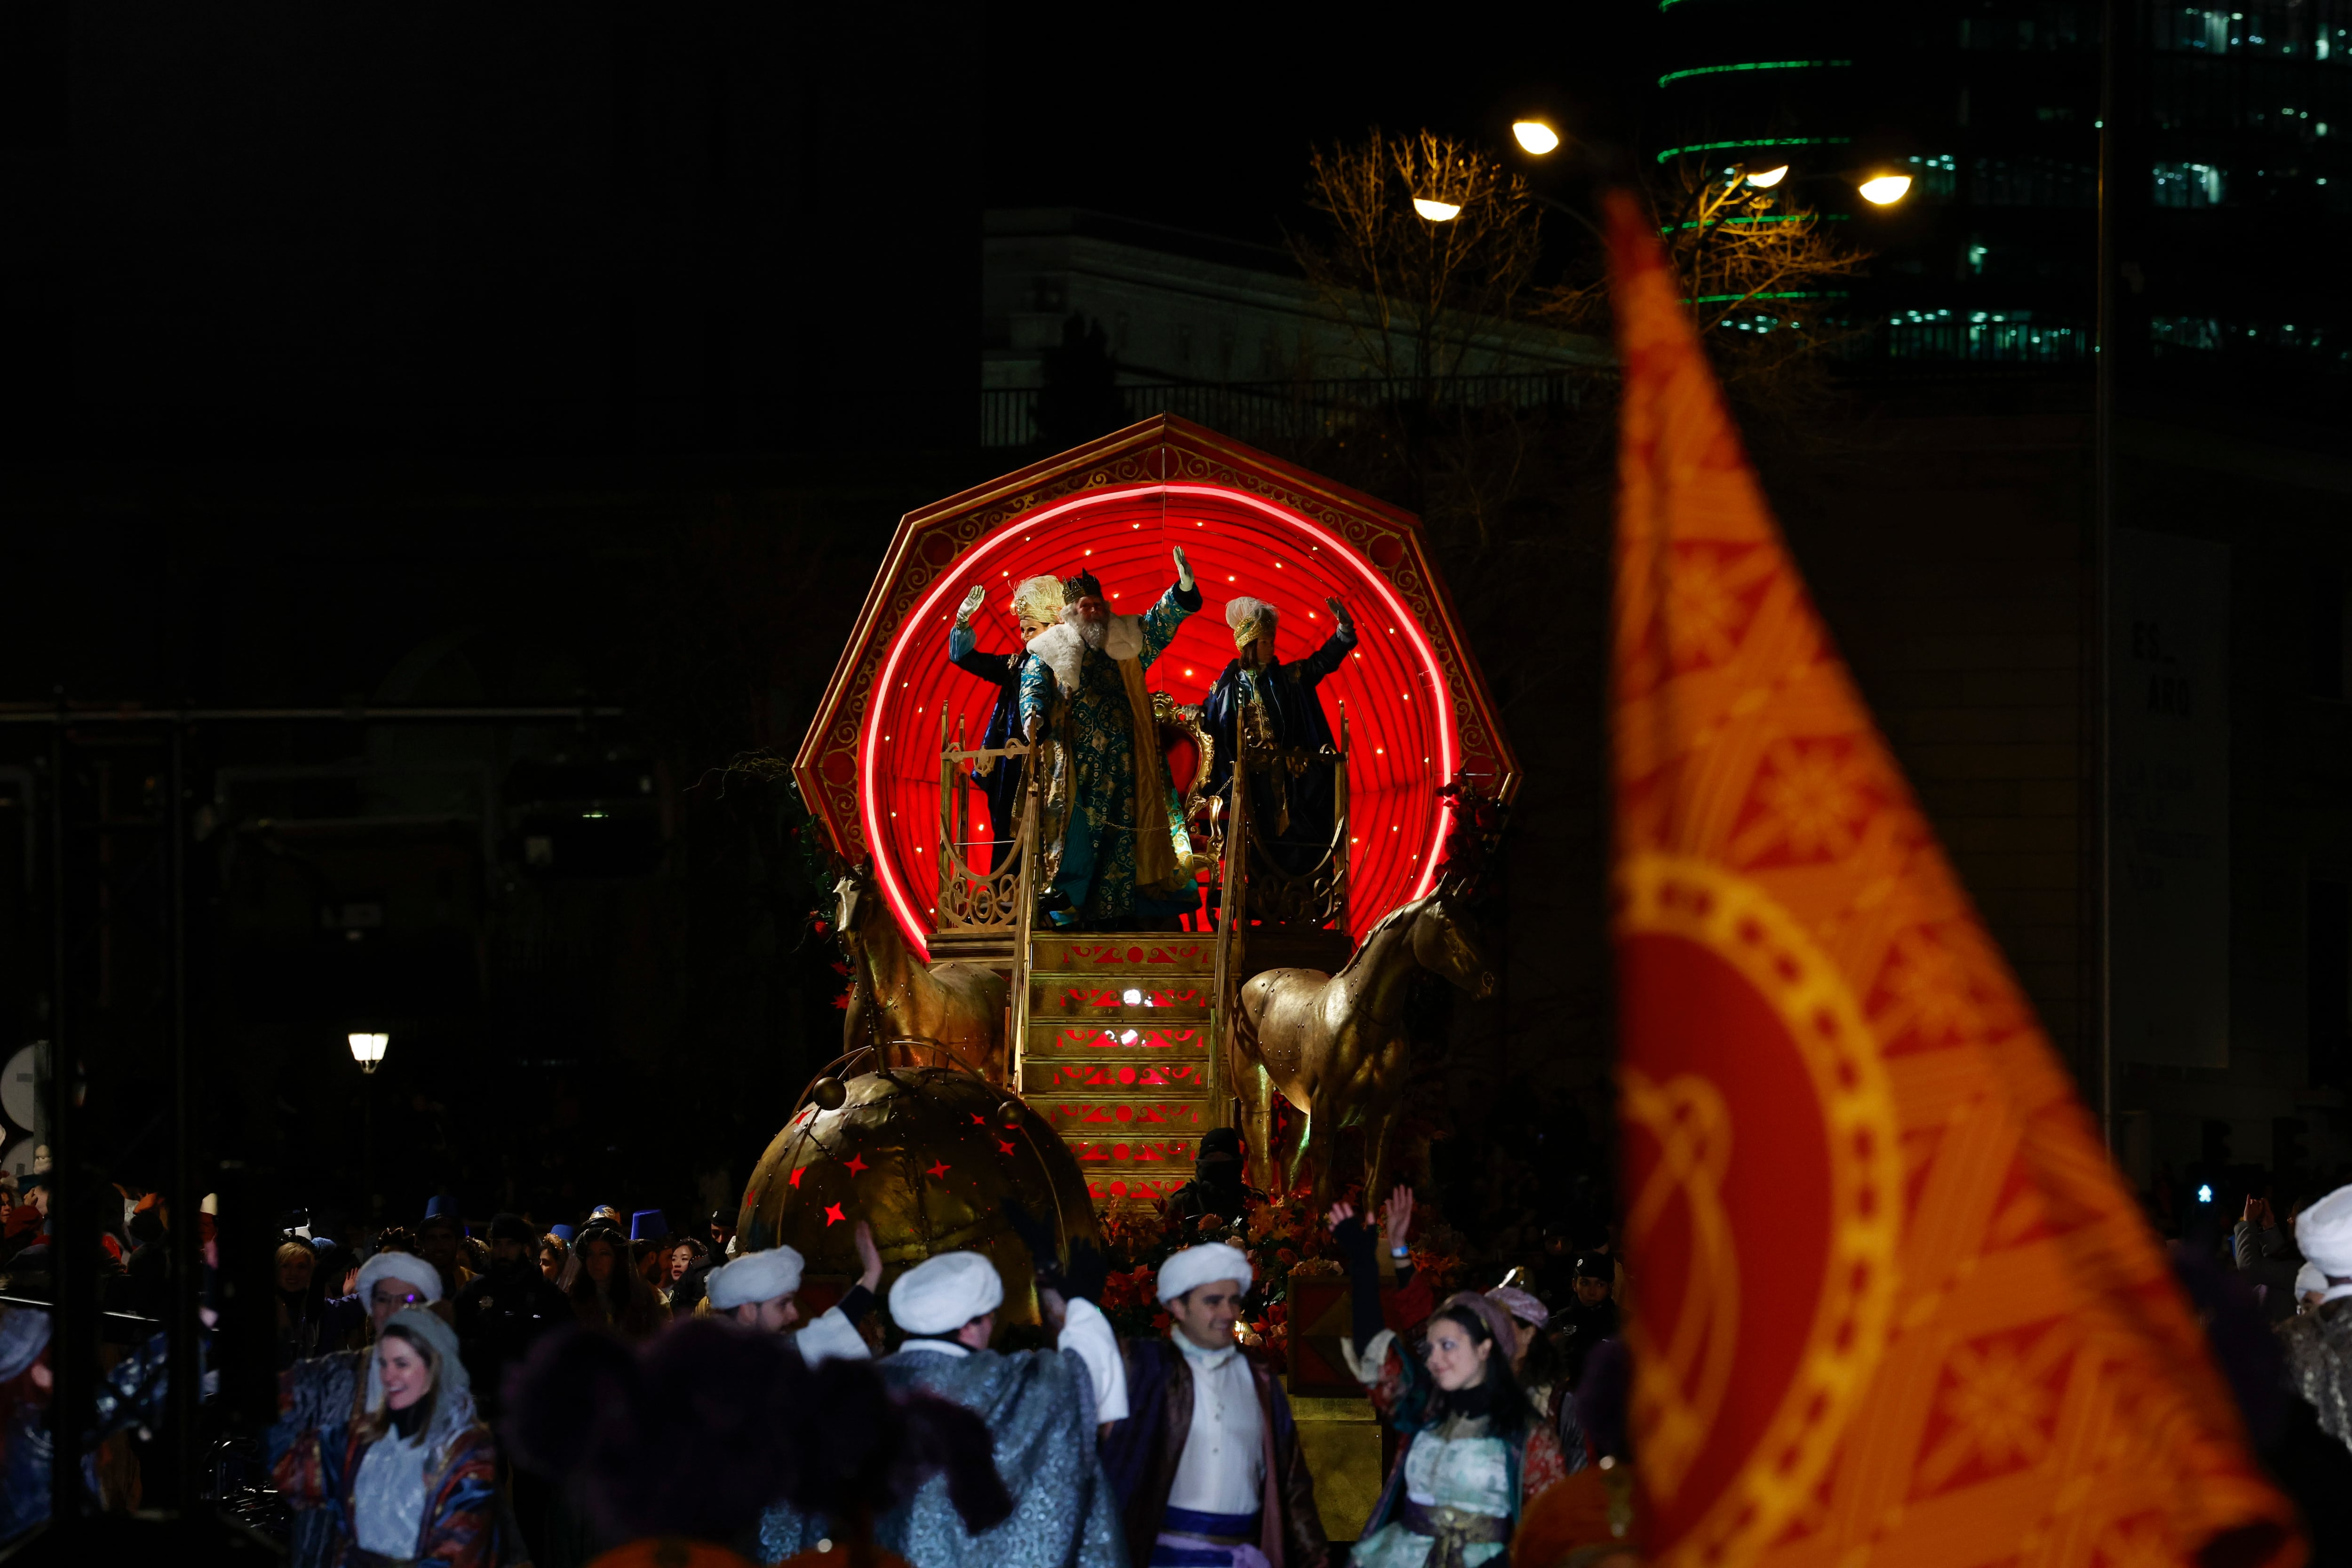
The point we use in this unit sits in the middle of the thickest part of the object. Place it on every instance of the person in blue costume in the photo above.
(1475, 1452)
(1036, 606)
(131, 1392)
(1044, 1410)
(1282, 710)
(1115, 855)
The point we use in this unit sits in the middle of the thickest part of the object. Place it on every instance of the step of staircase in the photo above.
(1121, 1028)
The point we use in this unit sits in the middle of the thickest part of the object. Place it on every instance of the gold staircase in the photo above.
(1118, 1050)
(1117, 1039)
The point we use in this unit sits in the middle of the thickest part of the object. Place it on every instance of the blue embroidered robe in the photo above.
(1094, 727)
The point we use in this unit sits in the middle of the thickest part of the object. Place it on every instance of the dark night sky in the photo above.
(1202, 116)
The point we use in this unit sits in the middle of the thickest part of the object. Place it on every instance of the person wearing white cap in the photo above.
(759, 1290)
(2310, 1287)
(317, 1400)
(1207, 1464)
(1043, 1408)
(2318, 1341)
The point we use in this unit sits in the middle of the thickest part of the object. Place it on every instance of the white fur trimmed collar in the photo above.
(1061, 647)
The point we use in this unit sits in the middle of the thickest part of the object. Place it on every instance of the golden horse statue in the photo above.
(1335, 1045)
(896, 995)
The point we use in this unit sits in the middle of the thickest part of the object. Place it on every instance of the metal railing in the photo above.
(1296, 410)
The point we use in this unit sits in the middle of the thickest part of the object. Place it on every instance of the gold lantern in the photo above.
(929, 1157)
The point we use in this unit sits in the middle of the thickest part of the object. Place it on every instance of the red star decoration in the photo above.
(1006, 1147)
(856, 1163)
(796, 1175)
(833, 1214)
(939, 1168)
(978, 1120)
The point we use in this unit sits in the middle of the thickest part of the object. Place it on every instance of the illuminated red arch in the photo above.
(1418, 712)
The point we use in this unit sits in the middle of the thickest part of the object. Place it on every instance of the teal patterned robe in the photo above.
(1095, 734)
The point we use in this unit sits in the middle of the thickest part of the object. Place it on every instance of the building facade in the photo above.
(2220, 696)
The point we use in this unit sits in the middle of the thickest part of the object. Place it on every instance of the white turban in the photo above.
(941, 1294)
(756, 1277)
(2324, 1231)
(407, 1268)
(2308, 1279)
(1197, 1266)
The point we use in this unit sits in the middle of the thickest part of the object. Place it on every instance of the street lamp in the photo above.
(1880, 190)
(1535, 136)
(367, 1050)
(1436, 211)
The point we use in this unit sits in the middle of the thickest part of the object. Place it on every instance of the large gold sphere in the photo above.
(928, 1156)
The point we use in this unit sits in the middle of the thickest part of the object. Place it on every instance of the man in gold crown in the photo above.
(1113, 851)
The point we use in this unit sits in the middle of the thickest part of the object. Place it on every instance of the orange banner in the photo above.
(1892, 1304)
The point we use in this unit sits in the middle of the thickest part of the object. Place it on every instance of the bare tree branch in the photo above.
(1760, 270)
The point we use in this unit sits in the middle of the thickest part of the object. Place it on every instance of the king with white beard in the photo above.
(1113, 851)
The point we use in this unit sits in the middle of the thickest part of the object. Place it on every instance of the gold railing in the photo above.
(1232, 890)
(972, 902)
(1025, 907)
(1313, 899)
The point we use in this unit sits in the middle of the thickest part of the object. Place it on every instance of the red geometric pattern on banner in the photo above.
(1893, 1304)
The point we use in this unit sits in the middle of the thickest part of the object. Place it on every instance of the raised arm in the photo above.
(963, 647)
(1326, 659)
(837, 1333)
(1160, 622)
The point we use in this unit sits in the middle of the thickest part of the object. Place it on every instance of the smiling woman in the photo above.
(1418, 713)
(415, 1476)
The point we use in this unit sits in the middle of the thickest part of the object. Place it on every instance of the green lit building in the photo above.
(2228, 154)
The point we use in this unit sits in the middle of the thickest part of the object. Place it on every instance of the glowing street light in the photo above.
(1437, 212)
(367, 1050)
(1535, 136)
(1765, 179)
(1883, 190)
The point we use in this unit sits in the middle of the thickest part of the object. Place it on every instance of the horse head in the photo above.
(853, 898)
(1446, 943)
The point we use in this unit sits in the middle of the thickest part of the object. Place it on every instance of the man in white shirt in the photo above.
(1042, 1407)
(1207, 1464)
(760, 1291)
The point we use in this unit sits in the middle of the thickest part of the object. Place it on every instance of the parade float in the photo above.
(1281, 983)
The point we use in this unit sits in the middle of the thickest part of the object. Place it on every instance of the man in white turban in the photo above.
(1036, 606)
(760, 1291)
(1042, 1407)
(1280, 709)
(1207, 1464)
(2318, 1343)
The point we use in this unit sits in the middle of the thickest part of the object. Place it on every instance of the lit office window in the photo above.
(2187, 185)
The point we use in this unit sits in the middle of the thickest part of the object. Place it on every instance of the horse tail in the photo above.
(1241, 1042)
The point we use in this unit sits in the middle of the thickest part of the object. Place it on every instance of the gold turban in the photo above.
(1250, 619)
